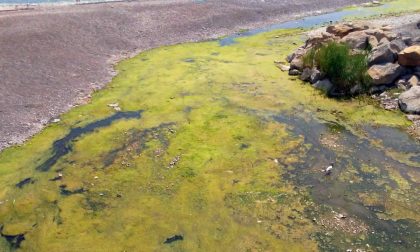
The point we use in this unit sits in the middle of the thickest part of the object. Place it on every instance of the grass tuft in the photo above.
(343, 67)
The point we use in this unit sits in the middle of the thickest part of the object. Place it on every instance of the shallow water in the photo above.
(215, 149)
(332, 17)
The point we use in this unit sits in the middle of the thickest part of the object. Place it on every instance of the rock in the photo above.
(409, 101)
(402, 84)
(297, 54)
(342, 30)
(356, 40)
(410, 56)
(283, 67)
(357, 89)
(416, 40)
(397, 45)
(373, 42)
(386, 28)
(319, 38)
(382, 54)
(377, 33)
(413, 81)
(316, 75)
(385, 73)
(378, 89)
(408, 40)
(290, 57)
(306, 74)
(383, 41)
(297, 63)
(294, 72)
(324, 85)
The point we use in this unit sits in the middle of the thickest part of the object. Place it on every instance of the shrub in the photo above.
(343, 67)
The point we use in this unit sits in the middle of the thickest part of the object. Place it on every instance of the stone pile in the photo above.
(394, 61)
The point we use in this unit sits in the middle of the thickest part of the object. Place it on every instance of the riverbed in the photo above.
(209, 147)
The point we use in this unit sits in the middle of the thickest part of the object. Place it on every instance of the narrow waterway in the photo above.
(214, 149)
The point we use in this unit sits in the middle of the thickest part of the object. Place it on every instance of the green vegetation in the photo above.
(232, 187)
(343, 67)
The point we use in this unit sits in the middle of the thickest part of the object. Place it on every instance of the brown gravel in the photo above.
(52, 57)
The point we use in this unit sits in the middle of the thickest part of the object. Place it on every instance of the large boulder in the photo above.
(409, 101)
(410, 56)
(356, 40)
(342, 30)
(385, 73)
(386, 51)
(397, 45)
(382, 54)
(319, 38)
(377, 33)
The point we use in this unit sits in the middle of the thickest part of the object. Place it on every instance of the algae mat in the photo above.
(214, 149)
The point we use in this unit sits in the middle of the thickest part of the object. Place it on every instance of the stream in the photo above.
(216, 149)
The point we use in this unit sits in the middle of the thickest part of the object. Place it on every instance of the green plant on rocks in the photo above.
(345, 68)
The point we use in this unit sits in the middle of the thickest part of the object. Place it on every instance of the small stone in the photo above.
(283, 67)
(341, 216)
(324, 85)
(294, 72)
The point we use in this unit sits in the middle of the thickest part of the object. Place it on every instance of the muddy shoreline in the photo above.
(53, 57)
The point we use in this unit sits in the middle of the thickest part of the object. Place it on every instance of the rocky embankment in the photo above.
(393, 63)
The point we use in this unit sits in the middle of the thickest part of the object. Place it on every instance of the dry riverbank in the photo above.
(52, 58)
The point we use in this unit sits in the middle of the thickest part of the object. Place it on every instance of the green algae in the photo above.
(227, 154)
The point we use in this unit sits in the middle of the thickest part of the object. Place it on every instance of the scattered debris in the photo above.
(115, 106)
(174, 161)
(328, 170)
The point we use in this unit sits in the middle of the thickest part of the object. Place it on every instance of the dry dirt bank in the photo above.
(52, 57)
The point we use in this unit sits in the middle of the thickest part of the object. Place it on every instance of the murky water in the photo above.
(215, 149)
